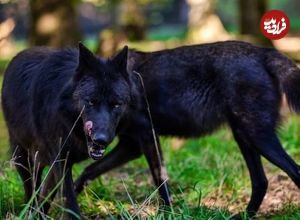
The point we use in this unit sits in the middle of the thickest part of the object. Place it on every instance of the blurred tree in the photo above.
(204, 25)
(54, 23)
(128, 23)
(251, 12)
(132, 20)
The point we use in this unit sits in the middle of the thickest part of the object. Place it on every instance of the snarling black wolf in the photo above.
(72, 104)
(50, 100)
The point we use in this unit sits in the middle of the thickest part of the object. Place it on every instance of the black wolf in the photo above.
(191, 91)
(50, 103)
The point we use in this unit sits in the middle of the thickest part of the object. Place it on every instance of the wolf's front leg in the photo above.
(126, 150)
(151, 148)
(59, 175)
(70, 196)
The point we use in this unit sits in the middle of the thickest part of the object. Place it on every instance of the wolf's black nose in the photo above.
(101, 139)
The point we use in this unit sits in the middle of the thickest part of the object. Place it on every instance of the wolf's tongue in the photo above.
(88, 125)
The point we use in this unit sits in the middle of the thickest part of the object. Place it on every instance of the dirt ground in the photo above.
(281, 192)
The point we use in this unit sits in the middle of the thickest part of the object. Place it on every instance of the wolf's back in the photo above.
(288, 74)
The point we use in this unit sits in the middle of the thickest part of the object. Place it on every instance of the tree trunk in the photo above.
(251, 12)
(54, 23)
(132, 20)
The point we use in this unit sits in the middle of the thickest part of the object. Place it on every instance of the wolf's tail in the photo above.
(288, 74)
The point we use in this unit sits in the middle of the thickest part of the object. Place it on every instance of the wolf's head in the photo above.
(103, 89)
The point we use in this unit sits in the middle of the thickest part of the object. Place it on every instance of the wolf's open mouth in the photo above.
(96, 151)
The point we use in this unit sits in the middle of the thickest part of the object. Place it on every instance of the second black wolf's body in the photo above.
(191, 91)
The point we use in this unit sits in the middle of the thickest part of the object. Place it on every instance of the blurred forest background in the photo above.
(105, 25)
(201, 173)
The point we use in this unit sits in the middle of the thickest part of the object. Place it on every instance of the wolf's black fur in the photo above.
(191, 90)
(44, 93)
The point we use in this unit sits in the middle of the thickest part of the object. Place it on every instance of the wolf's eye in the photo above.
(91, 102)
(116, 105)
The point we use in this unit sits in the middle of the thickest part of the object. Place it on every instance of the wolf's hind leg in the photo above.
(23, 165)
(155, 161)
(258, 178)
(269, 146)
(257, 129)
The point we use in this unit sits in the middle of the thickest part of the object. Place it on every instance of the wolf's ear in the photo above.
(120, 60)
(86, 59)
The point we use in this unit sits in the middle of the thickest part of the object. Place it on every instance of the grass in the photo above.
(202, 167)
